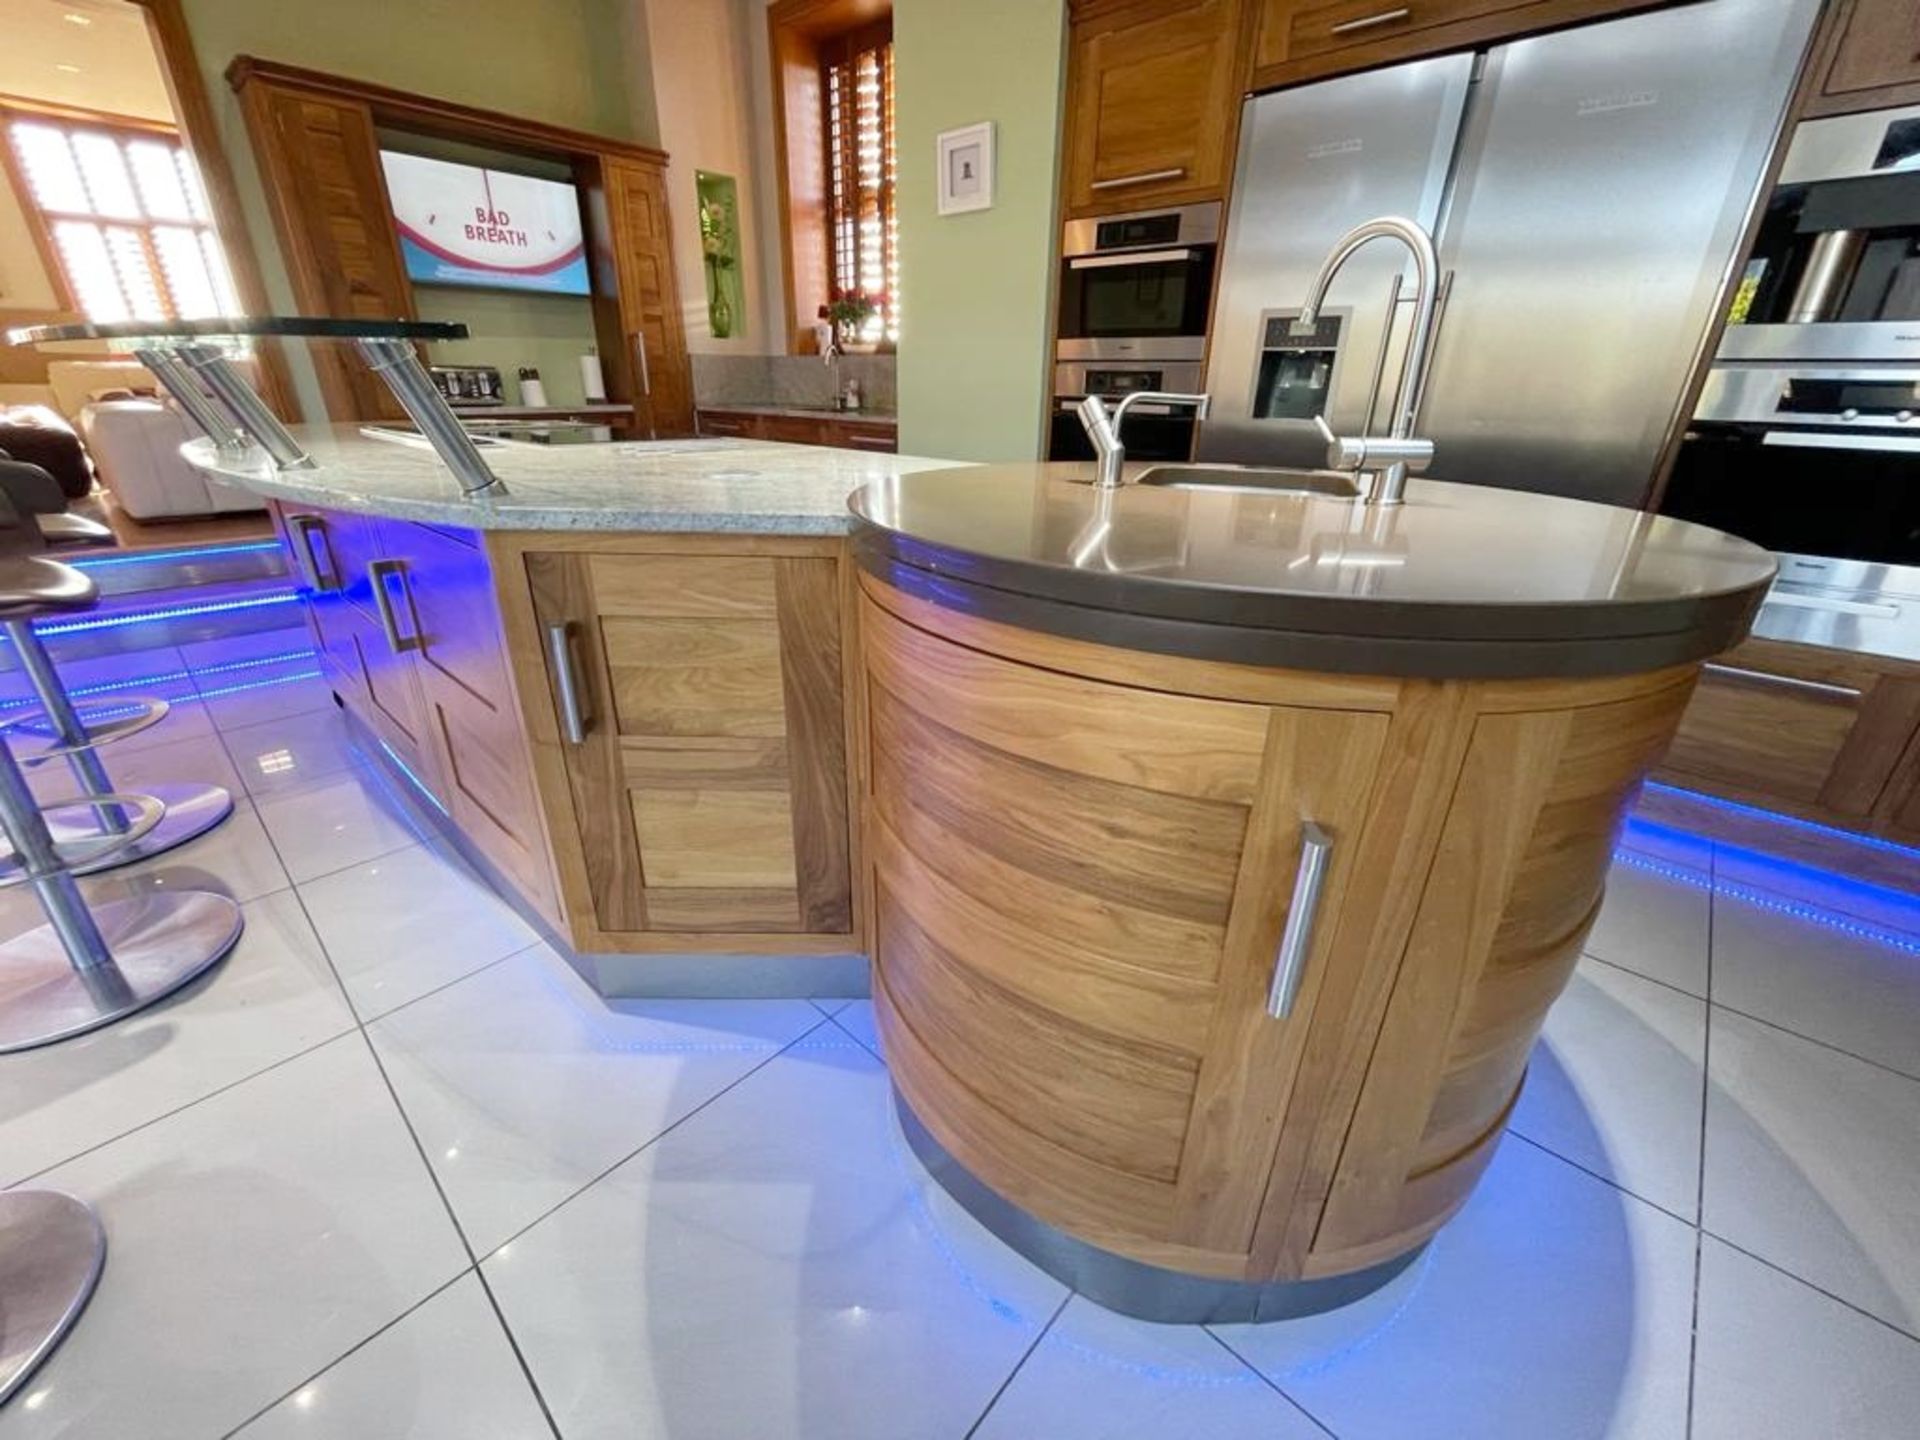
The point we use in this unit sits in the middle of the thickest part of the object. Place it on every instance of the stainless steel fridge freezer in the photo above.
(1587, 190)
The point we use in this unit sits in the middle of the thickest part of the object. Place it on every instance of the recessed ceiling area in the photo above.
(94, 54)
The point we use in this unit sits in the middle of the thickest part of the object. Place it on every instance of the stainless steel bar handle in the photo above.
(640, 355)
(1841, 440)
(560, 654)
(303, 528)
(1145, 177)
(1784, 682)
(1367, 22)
(1128, 257)
(1290, 962)
(377, 574)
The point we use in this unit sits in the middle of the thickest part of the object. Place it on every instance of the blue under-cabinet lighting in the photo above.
(173, 612)
(1794, 822)
(149, 557)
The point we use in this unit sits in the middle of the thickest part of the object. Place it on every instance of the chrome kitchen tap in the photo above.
(1103, 426)
(1393, 455)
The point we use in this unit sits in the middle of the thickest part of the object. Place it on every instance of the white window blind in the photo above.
(127, 218)
(863, 231)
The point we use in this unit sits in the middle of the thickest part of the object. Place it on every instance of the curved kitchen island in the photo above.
(1226, 848)
(1218, 850)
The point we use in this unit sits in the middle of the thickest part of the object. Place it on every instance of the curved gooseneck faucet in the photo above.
(1400, 450)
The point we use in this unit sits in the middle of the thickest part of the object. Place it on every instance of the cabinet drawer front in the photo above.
(1318, 29)
(1764, 735)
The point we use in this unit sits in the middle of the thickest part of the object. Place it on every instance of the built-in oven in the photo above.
(1820, 464)
(1153, 432)
(1135, 287)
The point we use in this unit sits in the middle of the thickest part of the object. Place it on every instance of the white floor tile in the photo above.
(1817, 981)
(1553, 1307)
(1098, 1374)
(856, 1018)
(292, 750)
(205, 655)
(1655, 925)
(524, 1084)
(778, 1266)
(252, 1239)
(158, 672)
(178, 762)
(408, 923)
(445, 1372)
(236, 709)
(272, 997)
(1777, 1359)
(1616, 1084)
(330, 824)
(1813, 1164)
(185, 720)
(234, 859)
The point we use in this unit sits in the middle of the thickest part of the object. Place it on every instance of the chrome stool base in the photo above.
(158, 944)
(52, 1248)
(191, 811)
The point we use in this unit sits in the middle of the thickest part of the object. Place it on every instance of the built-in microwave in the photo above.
(1138, 286)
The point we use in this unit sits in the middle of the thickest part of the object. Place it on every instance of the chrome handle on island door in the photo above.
(1367, 22)
(560, 654)
(301, 530)
(1290, 961)
(1145, 177)
(377, 574)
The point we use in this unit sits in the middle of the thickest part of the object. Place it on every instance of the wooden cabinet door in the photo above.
(652, 345)
(1153, 94)
(1875, 56)
(708, 767)
(320, 161)
(1079, 893)
(470, 717)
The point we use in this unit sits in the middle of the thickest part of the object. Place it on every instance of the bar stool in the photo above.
(52, 1249)
(35, 494)
(82, 969)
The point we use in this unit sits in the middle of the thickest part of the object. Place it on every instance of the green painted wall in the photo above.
(581, 63)
(976, 289)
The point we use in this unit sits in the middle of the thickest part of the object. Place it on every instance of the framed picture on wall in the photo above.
(965, 168)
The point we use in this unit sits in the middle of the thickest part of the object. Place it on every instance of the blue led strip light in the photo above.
(1852, 837)
(177, 612)
(260, 684)
(412, 779)
(150, 557)
(1762, 900)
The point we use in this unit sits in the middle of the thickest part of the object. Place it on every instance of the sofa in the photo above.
(135, 443)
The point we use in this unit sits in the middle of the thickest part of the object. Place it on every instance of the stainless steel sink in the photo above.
(1249, 477)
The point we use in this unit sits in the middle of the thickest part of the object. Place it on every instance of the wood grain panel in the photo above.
(714, 839)
(1121, 1105)
(690, 587)
(1164, 852)
(1171, 743)
(735, 914)
(695, 677)
(671, 762)
(809, 594)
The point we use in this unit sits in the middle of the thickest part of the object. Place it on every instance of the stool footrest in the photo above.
(139, 812)
(105, 722)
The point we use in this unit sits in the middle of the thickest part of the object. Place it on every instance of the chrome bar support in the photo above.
(249, 411)
(180, 383)
(68, 728)
(395, 362)
(58, 891)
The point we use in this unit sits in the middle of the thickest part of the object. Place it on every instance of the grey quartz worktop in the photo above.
(1460, 581)
(688, 486)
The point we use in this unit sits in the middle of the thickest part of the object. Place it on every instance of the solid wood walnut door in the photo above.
(1079, 890)
(651, 343)
(703, 730)
(1875, 57)
(320, 160)
(1152, 96)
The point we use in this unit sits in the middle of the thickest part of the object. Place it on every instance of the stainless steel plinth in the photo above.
(191, 811)
(1148, 1292)
(155, 945)
(51, 1250)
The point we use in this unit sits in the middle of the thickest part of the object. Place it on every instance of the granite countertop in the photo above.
(801, 412)
(743, 486)
(1461, 580)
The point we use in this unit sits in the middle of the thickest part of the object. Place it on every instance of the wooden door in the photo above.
(1078, 893)
(1153, 94)
(708, 773)
(319, 159)
(470, 716)
(1875, 57)
(650, 343)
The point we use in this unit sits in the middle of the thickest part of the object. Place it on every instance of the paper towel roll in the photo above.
(592, 383)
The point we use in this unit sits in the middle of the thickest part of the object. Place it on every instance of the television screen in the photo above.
(462, 225)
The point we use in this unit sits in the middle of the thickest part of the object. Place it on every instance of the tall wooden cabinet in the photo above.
(317, 140)
(1869, 57)
(1153, 89)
